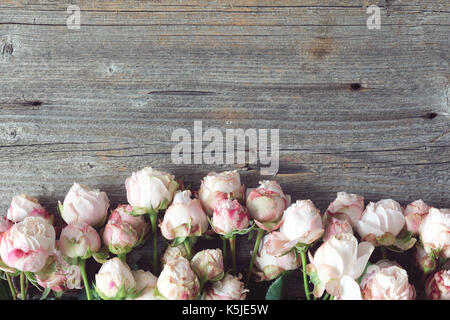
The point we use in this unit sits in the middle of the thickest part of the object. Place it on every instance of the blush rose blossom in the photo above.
(178, 281)
(82, 204)
(79, 240)
(5, 224)
(145, 284)
(27, 244)
(208, 264)
(386, 280)
(346, 206)
(23, 206)
(414, 213)
(114, 280)
(435, 232)
(266, 205)
(269, 267)
(184, 217)
(437, 286)
(229, 288)
(218, 186)
(173, 253)
(337, 263)
(150, 189)
(229, 216)
(336, 226)
(301, 224)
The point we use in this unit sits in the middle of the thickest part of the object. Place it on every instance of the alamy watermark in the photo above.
(74, 19)
(374, 20)
(231, 150)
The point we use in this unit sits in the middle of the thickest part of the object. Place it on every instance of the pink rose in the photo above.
(150, 189)
(27, 244)
(84, 205)
(437, 286)
(115, 281)
(435, 232)
(346, 205)
(269, 267)
(184, 217)
(208, 264)
(302, 223)
(218, 186)
(5, 224)
(178, 281)
(228, 216)
(414, 213)
(336, 226)
(79, 240)
(25, 206)
(145, 282)
(229, 288)
(123, 213)
(386, 280)
(266, 205)
(173, 253)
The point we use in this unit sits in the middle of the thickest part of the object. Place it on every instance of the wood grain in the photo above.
(360, 110)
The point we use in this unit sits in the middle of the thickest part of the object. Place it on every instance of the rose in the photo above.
(336, 226)
(218, 186)
(268, 267)
(266, 205)
(114, 280)
(58, 275)
(337, 263)
(414, 213)
(423, 260)
(79, 240)
(25, 206)
(123, 231)
(301, 224)
(346, 206)
(229, 216)
(178, 281)
(184, 217)
(386, 280)
(437, 286)
(27, 244)
(208, 264)
(173, 253)
(229, 288)
(145, 285)
(381, 222)
(435, 233)
(150, 189)
(5, 224)
(85, 205)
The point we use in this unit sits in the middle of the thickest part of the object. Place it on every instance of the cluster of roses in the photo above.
(285, 235)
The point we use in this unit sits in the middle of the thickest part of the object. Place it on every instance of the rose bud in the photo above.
(114, 280)
(178, 281)
(346, 205)
(229, 288)
(269, 267)
(435, 233)
(423, 260)
(386, 280)
(145, 284)
(229, 215)
(79, 240)
(85, 205)
(150, 189)
(58, 275)
(184, 217)
(336, 226)
(217, 186)
(414, 213)
(25, 206)
(302, 223)
(208, 264)
(120, 237)
(381, 222)
(123, 213)
(266, 205)
(337, 263)
(173, 253)
(437, 286)
(27, 244)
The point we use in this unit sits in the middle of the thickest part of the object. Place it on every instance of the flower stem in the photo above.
(11, 286)
(153, 218)
(326, 296)
(23, 279)
(233, 252)
(255, 251)
(123, 257)
(383, 252)
(188, 249)
(82, 265)
(224, 250)
(305, 280)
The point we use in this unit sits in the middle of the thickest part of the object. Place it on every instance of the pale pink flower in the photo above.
(229, 216)
(435, 232)
(23, 206)
(336, 226)
(79, 240)
(346, 205)
(114, 280)
(208, 264)
(178, 281)
(414, 213)
(229, 288)
(145, 282)
(437, 286)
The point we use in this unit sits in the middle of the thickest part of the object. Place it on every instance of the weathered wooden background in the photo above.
(366, 111)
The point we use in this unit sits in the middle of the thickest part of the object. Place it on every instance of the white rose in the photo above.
(349, 205)
(145, 282)
(229, 288)
(435, 232)
(23, 206)
(178, 281)
(114, 280)
(173, 253)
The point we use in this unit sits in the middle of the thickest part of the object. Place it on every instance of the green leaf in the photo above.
(364, 272)
(278, 288)
(31, 277)
(45, 293)
(60, 208)
(177, 241)
(102, 255)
